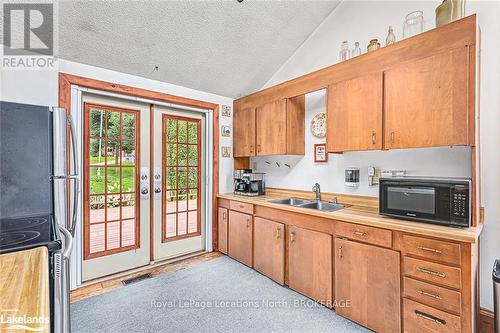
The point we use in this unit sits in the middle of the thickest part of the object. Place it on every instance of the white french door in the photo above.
(179, 156)
(116, 232)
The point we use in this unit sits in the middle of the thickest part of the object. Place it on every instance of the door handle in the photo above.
(224, 215)
(157, 190)
(259, 150)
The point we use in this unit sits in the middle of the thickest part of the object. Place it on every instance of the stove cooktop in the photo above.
(24, 233)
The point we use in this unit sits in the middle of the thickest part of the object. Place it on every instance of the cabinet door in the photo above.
(368, 278)
(240, 237)
(354, 114)
(426, 102)
(244, 132)
(310, 264)
(222, 230)
(269, 249)
(271, 128)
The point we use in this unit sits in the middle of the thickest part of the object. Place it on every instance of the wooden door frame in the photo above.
(65, 82)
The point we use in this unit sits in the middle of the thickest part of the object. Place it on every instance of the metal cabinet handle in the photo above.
(430, 272)
(224, 215)
(373, 137)
(292, 237)
(248, 223)
(429, 249)
(421, 292)
(340, 252)
(278, 233)
(392, 137)
(259, 149)
(359, 233)
(430, 317)
(251, 149)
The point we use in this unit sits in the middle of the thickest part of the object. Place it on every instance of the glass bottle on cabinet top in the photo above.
(356, 51)
(414, 24)
(344, 51)
(374, 45)
(391, 38)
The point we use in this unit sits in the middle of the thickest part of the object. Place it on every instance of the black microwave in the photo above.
(432, 200)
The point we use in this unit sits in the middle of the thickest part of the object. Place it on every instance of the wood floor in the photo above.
(112, 284)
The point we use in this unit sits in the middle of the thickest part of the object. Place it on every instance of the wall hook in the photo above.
(287, 165)
(267, 162)
(279, 165)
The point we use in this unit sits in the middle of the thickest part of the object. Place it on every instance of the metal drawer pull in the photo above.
(248, 223)
(431, 272)
(421, 292)
(359, 233)
(340, 252)
(429, 249)
(292, 237)
(223, 215)
(278, 233)
(373, 137)
(430, 317)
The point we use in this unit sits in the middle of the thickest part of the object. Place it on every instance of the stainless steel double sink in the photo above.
(311, 204)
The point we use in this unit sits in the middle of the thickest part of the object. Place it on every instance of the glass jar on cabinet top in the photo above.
(356, 51)
(413, 24)
(344, 51)
(374, 45)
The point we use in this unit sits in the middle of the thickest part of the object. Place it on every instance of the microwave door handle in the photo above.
(75, 176)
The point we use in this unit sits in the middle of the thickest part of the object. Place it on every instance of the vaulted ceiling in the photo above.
(223, 47)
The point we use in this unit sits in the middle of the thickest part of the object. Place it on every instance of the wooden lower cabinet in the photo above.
(240, 237)
(222, 230)
(367, 285)
(310, 264)
(269, 249)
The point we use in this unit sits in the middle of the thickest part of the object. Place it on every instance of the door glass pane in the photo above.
(96, 121)
(111, 141)
(113, 124)
(181, 148)
(96, 176)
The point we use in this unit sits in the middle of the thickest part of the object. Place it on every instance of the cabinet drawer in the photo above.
(424, 319)
(364, 233)
(432, 272)
(438, 297)
(433, 249)
(241, 207)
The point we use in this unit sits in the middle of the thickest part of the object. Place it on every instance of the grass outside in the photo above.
(97, 180)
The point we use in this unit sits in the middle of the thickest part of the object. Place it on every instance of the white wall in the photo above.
(362, 21)
(40, 87)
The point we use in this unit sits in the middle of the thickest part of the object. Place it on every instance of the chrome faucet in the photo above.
(316, 189)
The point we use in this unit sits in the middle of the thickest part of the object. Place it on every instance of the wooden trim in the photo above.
(242, 162)
(64, 96)
(215, 179)
(486, 321)
(151, 181)
(164, 237)
(86, 170)
(453, 35)
(65, 81)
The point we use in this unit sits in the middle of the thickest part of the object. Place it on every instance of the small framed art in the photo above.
(320, 155)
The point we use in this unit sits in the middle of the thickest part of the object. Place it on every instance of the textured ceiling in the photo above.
(224, 47)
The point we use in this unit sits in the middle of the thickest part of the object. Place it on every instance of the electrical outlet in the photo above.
(373, 176)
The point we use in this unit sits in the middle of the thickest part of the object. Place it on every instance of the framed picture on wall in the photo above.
(225, 131)
(226, 152)
(320, 155)
(226, 111)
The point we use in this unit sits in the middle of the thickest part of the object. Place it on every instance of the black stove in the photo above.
(27, 232)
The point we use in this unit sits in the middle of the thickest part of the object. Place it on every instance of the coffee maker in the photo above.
(249, 183)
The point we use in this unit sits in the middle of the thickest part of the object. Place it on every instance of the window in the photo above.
(181, 176)
(111, 208)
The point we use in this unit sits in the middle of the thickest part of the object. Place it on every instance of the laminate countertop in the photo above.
(368, 216)
(24, 291)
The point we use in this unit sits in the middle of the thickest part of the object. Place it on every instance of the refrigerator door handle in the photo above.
(75, 176)
(68, 241)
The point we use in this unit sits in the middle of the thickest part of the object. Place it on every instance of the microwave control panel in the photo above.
(460, 202)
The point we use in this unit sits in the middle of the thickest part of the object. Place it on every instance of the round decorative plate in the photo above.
(318, 125)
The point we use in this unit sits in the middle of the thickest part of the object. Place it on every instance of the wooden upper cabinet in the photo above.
(354, 114)
(426, 103)
(244, 132)
(369, 278)
(271, 128)
(295, 125)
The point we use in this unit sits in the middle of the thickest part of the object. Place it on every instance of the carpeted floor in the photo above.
(220, 295)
